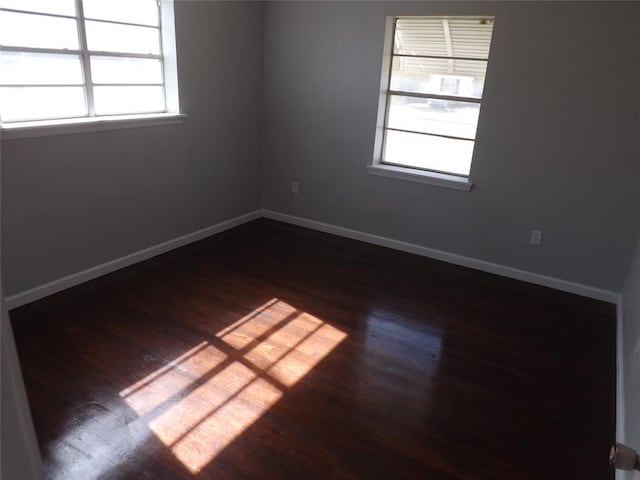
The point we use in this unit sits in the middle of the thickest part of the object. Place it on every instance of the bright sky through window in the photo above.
(435, 86)
(71, 59)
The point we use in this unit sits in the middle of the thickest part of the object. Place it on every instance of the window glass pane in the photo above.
(122, 100)
(428, 115)
(39, 103)
(125, 70)
(39, 68)
(428, 152)
(109, 37)
(470, 37)
(60, 7)
(27, 30)
(444, 36)
(420, 36)
(132, 11)
(434, 75)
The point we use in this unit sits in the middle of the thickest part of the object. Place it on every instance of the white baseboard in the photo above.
(74, 279)
(515, 273)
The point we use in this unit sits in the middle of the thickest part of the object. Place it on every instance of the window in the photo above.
(432, 83)
(79, 59)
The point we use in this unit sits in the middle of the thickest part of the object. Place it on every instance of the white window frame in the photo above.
(377, 166)
(91, 123)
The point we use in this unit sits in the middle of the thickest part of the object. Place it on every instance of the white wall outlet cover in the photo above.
(536, 237)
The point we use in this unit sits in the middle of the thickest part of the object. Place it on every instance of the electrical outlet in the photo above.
(295, 188)
(536, 237)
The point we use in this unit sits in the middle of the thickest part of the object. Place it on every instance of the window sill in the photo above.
(48, 128)
(419, 176)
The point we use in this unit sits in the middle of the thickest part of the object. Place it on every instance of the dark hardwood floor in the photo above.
(271, 351)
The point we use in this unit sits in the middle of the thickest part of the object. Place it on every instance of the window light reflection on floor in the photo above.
(204, 399)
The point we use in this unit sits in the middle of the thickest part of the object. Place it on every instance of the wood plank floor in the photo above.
(276, 352)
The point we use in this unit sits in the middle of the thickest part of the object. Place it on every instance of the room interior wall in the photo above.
(71, 202)
(19, 453)
(556, 148)
(556, 145)
(19, 448)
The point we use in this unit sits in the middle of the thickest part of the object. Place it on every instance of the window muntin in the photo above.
(436, 80)
(101, 58)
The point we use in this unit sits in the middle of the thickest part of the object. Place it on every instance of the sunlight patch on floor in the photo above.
(204, 399)
(155, 389)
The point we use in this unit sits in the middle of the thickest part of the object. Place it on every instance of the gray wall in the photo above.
(631, 353)
(557, 143)
(75, 201)
(19, 454)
